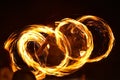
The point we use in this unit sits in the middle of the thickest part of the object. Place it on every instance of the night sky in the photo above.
(15, 16)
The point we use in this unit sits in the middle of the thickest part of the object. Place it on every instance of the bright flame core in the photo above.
(71, 38)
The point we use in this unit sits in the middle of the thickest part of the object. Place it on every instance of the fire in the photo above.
(71, 38)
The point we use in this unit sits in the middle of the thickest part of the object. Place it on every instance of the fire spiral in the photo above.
(61, 50)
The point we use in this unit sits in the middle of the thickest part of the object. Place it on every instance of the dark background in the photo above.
(16, 15)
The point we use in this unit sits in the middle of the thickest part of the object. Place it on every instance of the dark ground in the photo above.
(16, 15)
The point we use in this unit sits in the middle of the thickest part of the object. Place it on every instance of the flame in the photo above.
(71, 37)
(107, 29)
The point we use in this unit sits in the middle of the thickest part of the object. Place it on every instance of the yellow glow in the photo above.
(74, 57)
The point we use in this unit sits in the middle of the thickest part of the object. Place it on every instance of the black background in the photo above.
(15, 15)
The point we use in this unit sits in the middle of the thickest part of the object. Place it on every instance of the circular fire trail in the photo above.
(61, 50)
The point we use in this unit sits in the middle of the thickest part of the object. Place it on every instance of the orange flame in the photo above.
(71, 37)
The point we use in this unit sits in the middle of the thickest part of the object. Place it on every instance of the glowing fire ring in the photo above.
(40, 35)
